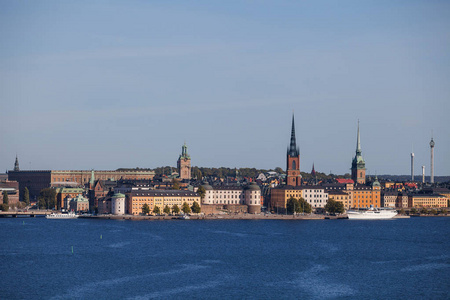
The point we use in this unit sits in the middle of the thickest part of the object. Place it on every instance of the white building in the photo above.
(316, 196)
(118, 204)
(249, 195)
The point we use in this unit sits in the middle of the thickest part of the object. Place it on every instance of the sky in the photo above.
(109, 84)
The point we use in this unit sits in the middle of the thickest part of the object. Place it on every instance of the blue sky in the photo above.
(109, 84)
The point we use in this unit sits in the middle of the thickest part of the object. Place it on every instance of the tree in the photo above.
(434, 212)
(424, 210)
(47, 198)
(156, 210)
(145, 209)
(413, 210)
(5, 197)
(201, 192)
(334, 207)
(175, 184)
(196, 209)
(167, 209)
(304, 206)
(186, 209)
(175, 209)
(26, 196)
(402, 211)
(443, 211)
(292, 205)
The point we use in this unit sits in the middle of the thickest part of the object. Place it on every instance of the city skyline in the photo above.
(81, 90)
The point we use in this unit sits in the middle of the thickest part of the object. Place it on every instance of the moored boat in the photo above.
(371, 214)
(70, 215)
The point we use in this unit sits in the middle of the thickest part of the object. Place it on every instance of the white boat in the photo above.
(371, 214)
(70, 215)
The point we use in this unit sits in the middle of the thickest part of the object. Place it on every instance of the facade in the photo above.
(136, 199)
(35, 181)
(402, 200)
(293, 177)
(230, 196)
(340, 196)
(12, 189)
(104, 205)
(118, 204)
(64, 192)
(184, 164)
(315, 195)
(280, 195)
(427, 200)
(389, 199)
(365, 196)
(79, 203)
(358, 164)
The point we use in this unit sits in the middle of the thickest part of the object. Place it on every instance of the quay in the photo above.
(30, 214)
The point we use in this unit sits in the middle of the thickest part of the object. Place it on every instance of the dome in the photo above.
(207, 187)
(119, 195)
(253, 187)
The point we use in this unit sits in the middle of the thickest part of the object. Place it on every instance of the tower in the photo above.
(184, 164)
(432, 161)
(423, 174)
(412, 166)
(16, 164)
(293, 160)
(358, 163)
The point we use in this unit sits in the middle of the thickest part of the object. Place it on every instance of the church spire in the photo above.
(358, 143)
(293, 149)
(16, 164)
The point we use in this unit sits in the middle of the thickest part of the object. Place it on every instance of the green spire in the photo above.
(92, 178)
(358, 161)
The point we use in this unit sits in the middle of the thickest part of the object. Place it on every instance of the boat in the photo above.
(70, 215)
(184, 217)
(371, 213)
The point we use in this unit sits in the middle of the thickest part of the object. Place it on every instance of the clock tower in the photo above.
(293, 161)
(184, 164)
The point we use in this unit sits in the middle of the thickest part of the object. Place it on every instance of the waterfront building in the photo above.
(427, 200)
(12, 189)
(358, 163)
(184, 164)
(118, 204)
(315, 195)
(340, 196)
(293, 177)
(280, 195)
(135, 199)
(104, 205)
(79, 204)
(389, 198)
(36, 180)
(66, 192)
(402, 200)
(366, 196)
(233, 198)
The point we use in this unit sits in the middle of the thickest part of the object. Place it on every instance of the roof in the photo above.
(164, 193)
(344, 180)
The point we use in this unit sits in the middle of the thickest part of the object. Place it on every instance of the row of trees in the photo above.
(195, 208)
(294, 205)
(222, 172)
(426, 211)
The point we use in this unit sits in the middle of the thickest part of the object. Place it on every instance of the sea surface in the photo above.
(225, 259)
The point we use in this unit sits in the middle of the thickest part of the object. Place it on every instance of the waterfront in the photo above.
(256, 259)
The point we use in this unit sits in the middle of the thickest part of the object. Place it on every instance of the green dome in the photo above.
(207, 187)
(119, 195)
(253, 187)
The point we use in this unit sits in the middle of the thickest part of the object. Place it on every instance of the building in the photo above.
(104, 205)
(389, 198)
(64, 192)
(36, 180)
(402, 200)
(184, 164)
(358, 164)
(136, 199)
(293, 177)
(366, 196)
(118, 204)
(427, 200)
(315, 195)
(79, 204)
(340, 196)
(233, 198)
(12, 189)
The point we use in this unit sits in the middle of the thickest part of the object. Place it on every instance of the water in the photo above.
(225, 259)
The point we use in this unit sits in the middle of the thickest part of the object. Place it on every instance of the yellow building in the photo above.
(137, 198)
(427, 200)
(365, 196)
(341, 196)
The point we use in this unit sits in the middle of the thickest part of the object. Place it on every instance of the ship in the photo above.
(371, 214)
(70, 215)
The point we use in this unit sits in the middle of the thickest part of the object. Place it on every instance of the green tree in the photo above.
(5, 197)
(175, 184)
(175, 209)
(145, 209)
(186, 209)
(47, 198)
(424, 210)
(334, 207)
(443, 211)
(196, 209)
(167, 209)
(26, 196)
(292, 205)
(156, 210)
(402, 211)
(201, 192)
(434, 212)
(304, 206)
(413, 210)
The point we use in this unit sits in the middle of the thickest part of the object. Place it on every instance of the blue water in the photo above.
(225, 259)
